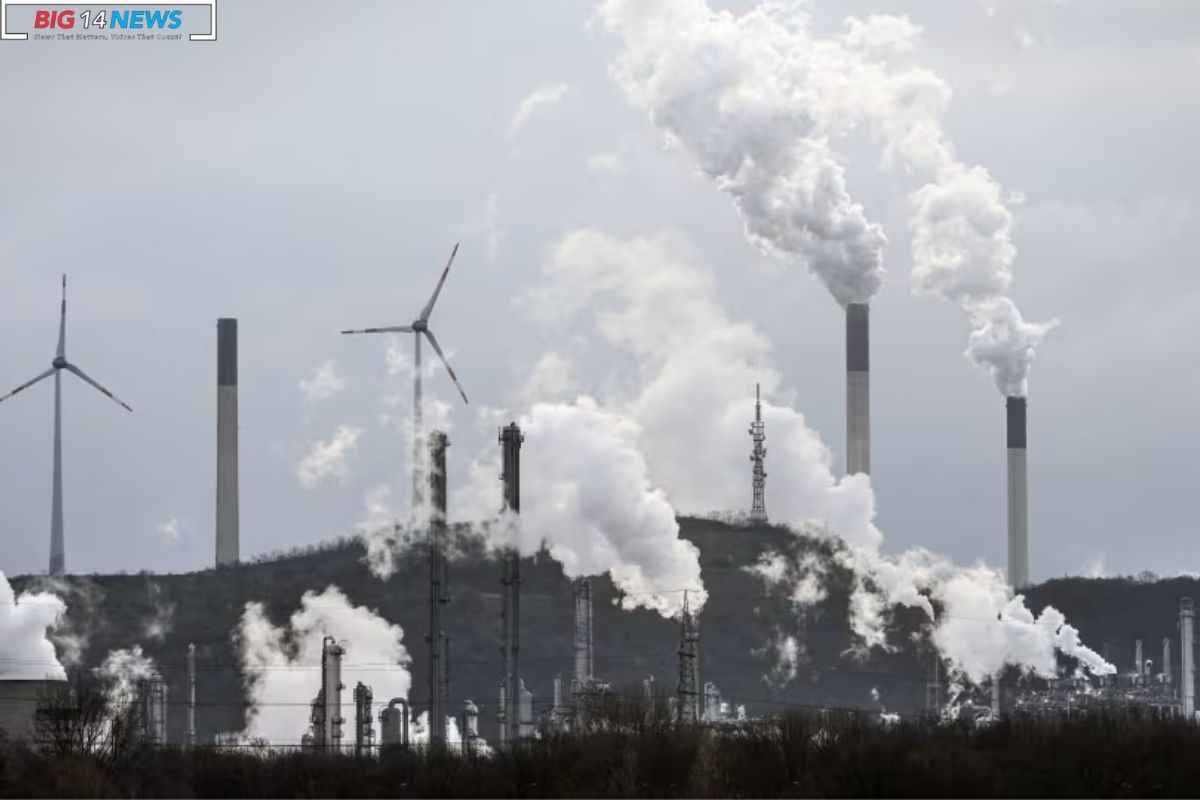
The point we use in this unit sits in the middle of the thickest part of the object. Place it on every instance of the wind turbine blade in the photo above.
(449, 369)
(106, 392)
(429, 308)
(25, 386)
(394, 329)
(62, 323)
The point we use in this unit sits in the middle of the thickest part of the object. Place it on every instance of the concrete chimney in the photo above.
(439, 595)
(510, 442)
(1166, 662)
(858, 389)
(583, 633)
(1139, 665)
(227, 442)
(1018, 497)
(1187, 675)
(191, 695)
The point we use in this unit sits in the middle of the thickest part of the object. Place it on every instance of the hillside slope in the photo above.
(737, 624)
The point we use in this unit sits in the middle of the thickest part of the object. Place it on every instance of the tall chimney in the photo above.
(227, 442)
(1018, 497)
(1139, 666)
(438, 673)
(1166, 662)
(858, 389)
(1187, 675)
(510, 441)
(583, 633)
(191, 695)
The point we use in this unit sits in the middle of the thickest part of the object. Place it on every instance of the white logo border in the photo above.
(211, 36)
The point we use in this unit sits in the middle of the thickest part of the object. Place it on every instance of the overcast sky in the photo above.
(311, 170)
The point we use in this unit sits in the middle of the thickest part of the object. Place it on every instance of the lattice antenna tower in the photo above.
(758, 508)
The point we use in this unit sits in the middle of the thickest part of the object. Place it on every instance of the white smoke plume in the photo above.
(322, 382)
(962, 246)
(326, 460)
(760, 103)
(691, 391)
(596, 509)
(976, 622)
(27, 622)
(85, 598)
(802, 579)
(737, 94)
(663, 317)
(122, 669)
(282, 665)
(162, 620)
(788, 653)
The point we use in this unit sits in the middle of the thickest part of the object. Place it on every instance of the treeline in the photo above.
(794, 755)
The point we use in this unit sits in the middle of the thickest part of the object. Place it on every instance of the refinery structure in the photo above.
(578, 698)
(598, 475)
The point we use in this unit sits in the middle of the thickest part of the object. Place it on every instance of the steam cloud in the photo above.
(597, 510)
(282, 664)
(663, 318)
(327, 459)
(759, 103)
(735, 93)
(122, 669)
(26, 623)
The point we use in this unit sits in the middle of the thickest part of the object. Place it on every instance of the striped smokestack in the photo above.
(1018, 498)
(858, 389)
(227, 442)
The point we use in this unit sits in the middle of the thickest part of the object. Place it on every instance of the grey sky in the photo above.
(311, 170)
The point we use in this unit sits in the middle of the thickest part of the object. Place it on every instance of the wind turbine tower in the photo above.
(419, 327)
(57, 547)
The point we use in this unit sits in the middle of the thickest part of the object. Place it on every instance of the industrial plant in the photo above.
(676, 548)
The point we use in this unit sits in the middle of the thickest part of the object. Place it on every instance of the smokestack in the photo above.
(1166, 662)
(510, 442)
(1018, 497)
(191, 690)
(583, 633)
(858, 389)
(1139, 666)
(227, 442)
(438, 672)
(1187, 676)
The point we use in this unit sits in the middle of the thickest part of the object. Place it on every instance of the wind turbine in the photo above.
(57, 551)
(418, 327)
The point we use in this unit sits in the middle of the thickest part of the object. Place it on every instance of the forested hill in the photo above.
(163, 613)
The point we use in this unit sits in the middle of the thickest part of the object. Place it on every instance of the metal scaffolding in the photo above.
(688, 691)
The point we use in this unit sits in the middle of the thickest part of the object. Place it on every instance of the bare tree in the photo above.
(84, 718)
